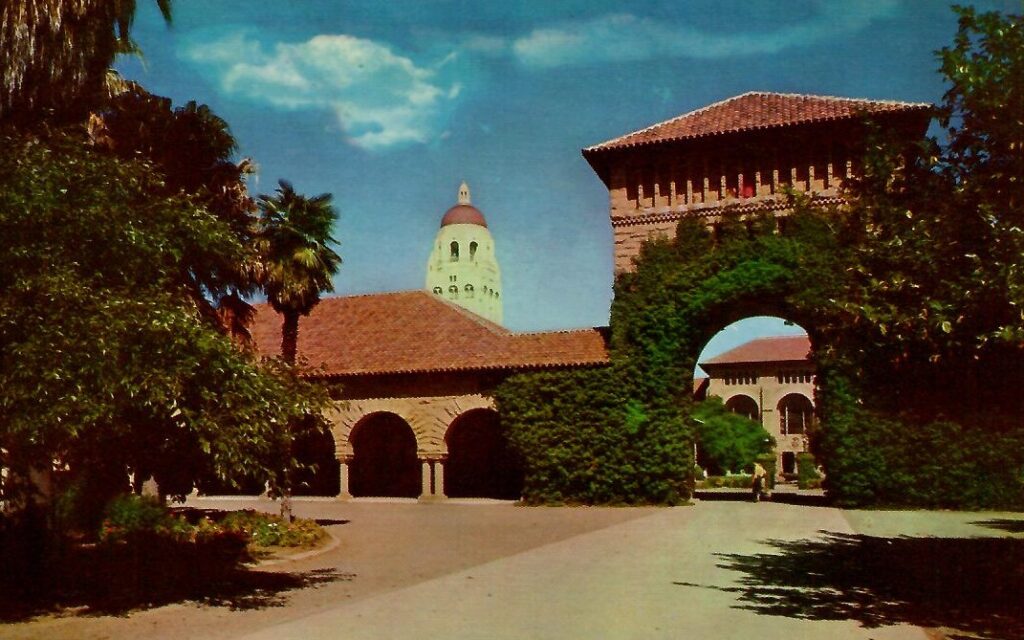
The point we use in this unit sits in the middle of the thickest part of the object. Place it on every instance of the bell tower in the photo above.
(462, 267)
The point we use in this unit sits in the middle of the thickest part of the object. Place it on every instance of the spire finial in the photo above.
(464, 193)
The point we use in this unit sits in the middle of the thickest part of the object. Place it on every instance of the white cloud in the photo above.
(380, 98)
(625, 37)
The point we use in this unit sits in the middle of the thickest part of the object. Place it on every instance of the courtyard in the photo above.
(717, 569)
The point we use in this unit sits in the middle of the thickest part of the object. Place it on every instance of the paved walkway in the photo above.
(500, 571)
(630, 580)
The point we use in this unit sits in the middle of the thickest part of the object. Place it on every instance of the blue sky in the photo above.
(389, 105)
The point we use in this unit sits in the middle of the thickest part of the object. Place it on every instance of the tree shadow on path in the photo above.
(972, 585)
(236, 589)
(1002, 524)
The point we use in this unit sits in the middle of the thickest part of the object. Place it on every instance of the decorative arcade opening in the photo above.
(480, 463)
(384, 461)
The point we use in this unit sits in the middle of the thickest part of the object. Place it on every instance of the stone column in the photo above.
(425, 492)
(343, 491)
(439, 479)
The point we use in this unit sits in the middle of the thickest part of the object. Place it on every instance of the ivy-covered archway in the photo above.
(636, 413)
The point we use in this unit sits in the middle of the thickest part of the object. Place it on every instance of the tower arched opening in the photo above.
(384, 463)
(481, 464)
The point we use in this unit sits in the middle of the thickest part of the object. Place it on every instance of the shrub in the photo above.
(585, 438)
(878, 459)
(738, 481)
(130, 516)
(807, 471)
(266, 530)
(726, 441)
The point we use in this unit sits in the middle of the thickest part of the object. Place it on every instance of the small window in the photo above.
(455, 251)
(497, 295)
(453, 291)
(438, 290)
(469, 291)
(472, 250)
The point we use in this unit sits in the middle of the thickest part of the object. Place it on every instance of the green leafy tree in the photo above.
(294, 242)
(193, 149)
(932, 310)
(106, 364)
(726, 441)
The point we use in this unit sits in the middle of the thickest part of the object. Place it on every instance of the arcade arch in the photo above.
(480, 462)
(384, 461)
(745, 406)
(320, 476)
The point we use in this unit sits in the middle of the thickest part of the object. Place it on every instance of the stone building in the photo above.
(742, 153)
(770, 381)
(413, 375)
(463, 267)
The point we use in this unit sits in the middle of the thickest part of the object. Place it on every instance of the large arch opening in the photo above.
(480, 462)
(319, 475)
(384, 463)
(760, 367)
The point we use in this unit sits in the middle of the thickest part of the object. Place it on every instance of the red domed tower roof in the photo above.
(463, 212)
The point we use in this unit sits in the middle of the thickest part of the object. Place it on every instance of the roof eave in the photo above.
(591, 152)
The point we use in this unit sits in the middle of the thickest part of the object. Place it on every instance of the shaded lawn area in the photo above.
(118, 588)
(43, 576)
(972, 585)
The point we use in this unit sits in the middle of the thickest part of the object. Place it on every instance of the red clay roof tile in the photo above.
(774, 349)
(756, 110)
(415, 331)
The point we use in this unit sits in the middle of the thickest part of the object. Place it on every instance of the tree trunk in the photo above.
(290, 336)
(289, 350)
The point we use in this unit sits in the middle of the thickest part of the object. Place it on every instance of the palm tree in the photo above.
(54, 54)
(293, 239)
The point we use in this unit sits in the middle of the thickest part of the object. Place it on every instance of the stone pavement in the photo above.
(652, 577)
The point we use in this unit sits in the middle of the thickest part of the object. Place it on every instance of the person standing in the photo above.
(760, 480)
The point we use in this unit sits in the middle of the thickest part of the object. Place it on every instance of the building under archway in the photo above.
(384, 461)
(771, 381)
(480, 462)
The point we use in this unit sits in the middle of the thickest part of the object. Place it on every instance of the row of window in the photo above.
(783, 378)
(710, 181)
(741, 378)
(794, 378)
(455, 250)
(453, 291)
(796, 413)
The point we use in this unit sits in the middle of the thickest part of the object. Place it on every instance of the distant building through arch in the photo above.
(770, 381)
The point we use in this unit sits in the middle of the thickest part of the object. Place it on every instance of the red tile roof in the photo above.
(415, 331)
(757, 110)
(775, 349)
